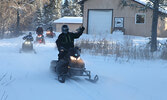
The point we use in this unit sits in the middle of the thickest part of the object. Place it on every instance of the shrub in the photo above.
(127, 49)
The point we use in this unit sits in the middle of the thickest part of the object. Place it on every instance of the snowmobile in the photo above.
(71, 65)
(27, 46)
(50, 34)
(40, 38)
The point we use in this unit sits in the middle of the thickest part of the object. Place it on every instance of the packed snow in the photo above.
(27, 76)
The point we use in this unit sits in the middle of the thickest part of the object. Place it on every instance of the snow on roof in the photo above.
(69, 20)
(144, 2)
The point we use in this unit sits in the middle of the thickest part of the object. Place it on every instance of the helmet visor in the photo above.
(65, 30)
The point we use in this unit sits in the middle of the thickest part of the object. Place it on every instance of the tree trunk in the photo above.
(18, 24)
(154, 26)
(3, 29)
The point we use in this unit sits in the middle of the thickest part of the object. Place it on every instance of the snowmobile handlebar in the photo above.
(62, 49)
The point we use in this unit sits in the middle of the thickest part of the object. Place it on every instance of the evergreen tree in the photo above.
(58, 8)
(65, 9)
(71, 8)
(39, 18)
(77, 8)
(48, 12)
(39, 15)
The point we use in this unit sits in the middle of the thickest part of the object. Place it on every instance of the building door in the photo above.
(99, 21)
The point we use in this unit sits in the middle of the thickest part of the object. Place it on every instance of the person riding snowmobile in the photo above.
(49, 32)
(27, 45)
(65, 40)
(50, 29)
(28, 37)
(40, 36)
(39, 31)
(64, 43)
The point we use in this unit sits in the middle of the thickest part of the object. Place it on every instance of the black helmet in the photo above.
(30, 33)
(64, 29)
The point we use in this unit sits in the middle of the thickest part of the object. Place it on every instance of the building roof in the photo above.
(82, 1)
(143, 2)
(69, 20)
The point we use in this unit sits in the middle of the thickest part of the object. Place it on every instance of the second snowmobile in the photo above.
(27, 46)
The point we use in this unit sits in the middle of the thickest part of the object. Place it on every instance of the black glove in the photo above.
(61, 49)
(24, 38)
(82, 28)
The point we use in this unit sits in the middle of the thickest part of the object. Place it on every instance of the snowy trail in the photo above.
(29, 77)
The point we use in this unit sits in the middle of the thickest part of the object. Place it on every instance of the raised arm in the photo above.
(79, 32)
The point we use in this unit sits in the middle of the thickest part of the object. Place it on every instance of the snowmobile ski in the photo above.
(94, 80)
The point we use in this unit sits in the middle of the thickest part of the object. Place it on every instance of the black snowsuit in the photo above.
(66, 41)
(28, 38)
(39, 31)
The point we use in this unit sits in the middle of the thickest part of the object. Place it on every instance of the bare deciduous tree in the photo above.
(18, 15)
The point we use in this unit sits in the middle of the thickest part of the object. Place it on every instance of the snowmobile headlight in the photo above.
(27, 42)
(74, 58)
(39, 36)
(78, 58)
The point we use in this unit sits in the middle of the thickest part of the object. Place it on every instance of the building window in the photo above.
(140, 18)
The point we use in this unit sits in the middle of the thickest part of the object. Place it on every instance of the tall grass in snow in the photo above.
(127, 49)
(5, 80)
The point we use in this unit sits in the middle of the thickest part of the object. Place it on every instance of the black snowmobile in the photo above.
(27, 46)
(71, 65)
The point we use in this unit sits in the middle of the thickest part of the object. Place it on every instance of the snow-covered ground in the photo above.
(26, 76)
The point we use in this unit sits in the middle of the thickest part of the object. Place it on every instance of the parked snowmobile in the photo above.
(27, 46)
(40, 38)
(71, 65)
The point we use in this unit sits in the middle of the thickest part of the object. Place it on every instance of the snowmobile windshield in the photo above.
(75, 52)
